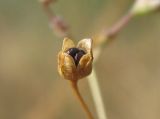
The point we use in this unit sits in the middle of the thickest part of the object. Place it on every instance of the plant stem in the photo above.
(81, 100)
(97, 97)
(117, 27)
(109, 34)
(56, 22)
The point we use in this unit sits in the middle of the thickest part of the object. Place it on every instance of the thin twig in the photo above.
(117, 27)
(109, 34)
(81, 100)
(56, 22)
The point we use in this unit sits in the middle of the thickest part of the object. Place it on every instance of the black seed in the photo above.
(72, 51)
(76, 54)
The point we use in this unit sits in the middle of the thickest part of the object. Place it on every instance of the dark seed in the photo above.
(72, 51)
(76, 54)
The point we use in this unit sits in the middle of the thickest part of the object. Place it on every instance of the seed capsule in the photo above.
(75, 62)
(76, 54)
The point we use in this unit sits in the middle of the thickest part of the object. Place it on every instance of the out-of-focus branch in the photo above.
(140, 7)
(116, 28)
(110, 33)
(56, 23)
(96, 93)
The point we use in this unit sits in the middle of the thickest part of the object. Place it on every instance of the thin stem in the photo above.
(81, 100)
(48, 11)
(59, 26)
(109, 34)
(97, 97)
(117, 27)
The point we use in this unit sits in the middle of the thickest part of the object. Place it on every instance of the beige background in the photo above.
(128, 69)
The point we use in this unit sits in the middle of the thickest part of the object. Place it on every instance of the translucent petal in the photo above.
(85, 65)
(67, 43)
(85, 44)
(60, 62)
(66, 66)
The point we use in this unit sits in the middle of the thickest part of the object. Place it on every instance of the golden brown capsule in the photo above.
(75, 62)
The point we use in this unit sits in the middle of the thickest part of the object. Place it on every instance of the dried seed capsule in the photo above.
(75, 62)
(76, 54)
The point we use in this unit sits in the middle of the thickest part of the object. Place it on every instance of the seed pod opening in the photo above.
(75, 62)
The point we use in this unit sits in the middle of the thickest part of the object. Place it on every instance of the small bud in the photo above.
(75, 62)
(145, 6)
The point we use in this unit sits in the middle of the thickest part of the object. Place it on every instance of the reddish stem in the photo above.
(81, 100)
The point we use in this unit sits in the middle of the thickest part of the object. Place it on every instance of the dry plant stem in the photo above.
(97, 97)
(109, 34)
(48, 11)
(60, 27)
(117, 27)
(81, 100)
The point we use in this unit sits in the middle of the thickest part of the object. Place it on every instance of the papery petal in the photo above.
(66, 66)
(67, 43)
(60, 62)
(85, 44)
(69, 61)
(84, 67)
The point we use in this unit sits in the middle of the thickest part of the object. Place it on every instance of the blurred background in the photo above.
(128, 69)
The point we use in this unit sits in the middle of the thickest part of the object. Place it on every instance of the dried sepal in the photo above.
(67, 43)
(85, 44)
(66, 66)
(85, 65)
(75, 62)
